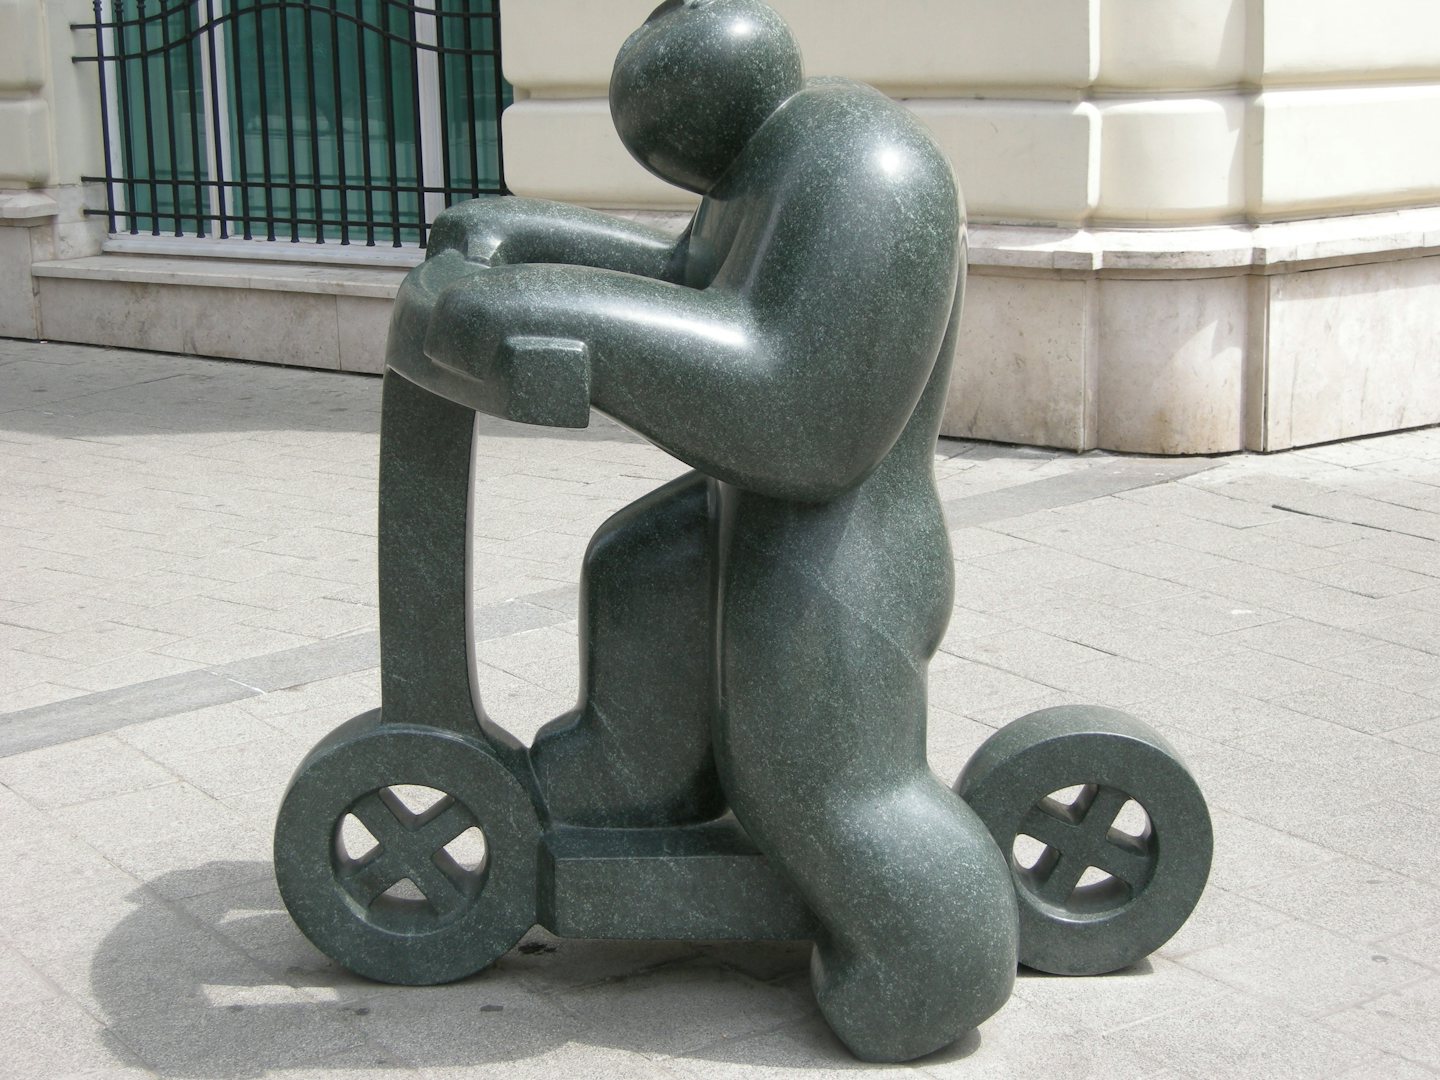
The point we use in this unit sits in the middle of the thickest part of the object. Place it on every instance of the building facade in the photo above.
(1197, 226)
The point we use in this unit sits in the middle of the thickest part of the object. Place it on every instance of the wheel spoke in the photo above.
(442, 824)
(1051, 830)
(1099, 807)
(369, 880)
(443, 894)
(1058, 876)
(1082, 835)
(377, 814)
(1127, 858)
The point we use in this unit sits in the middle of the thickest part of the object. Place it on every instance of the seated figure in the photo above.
(755, 635)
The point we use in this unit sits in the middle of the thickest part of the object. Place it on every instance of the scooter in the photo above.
(1107, 835)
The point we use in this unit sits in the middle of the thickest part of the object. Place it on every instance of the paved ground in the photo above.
(187, 604)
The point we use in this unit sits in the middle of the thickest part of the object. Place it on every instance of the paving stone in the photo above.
(81, 771)
(1216, 713)
(1304, 968)
(1034, 655)
(1123, 588)
(1217, 918)
(1206, 613)
(966, 686)
(69, 613)
(1356, 900)
(1405, 1023)
(1028, 1040)
(1422, 736)
(1382, 1066)
(1337, 607)
(1150, 988)
(127, 671)
(1421, 946)
(1301, 640)
(1231, 1036)
(684, 1006)
(1390, 665)
(1386, 833)
(1249, 854)
(1370, 578)
(1363, 706)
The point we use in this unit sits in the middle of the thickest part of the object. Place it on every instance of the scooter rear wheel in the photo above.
(400, 890)
(1118, 835)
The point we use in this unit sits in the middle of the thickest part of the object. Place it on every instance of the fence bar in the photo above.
(387, 64)
(442, 65)
(145, 98)
(498, 73)
(236, 70)
(415, 91)
(174, 142)
(364, 47)
(100, 61)
(339, 128)
(260, 81)
(470, 138)
(310, 93)
(291, 168)
(216, 137)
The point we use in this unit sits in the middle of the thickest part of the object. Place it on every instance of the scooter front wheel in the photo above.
(407, 853)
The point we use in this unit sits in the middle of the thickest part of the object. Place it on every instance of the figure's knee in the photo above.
(637, 751)
(649, 568)
(664, 535)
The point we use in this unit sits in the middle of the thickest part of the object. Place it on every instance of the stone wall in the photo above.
(1167, 192)
(1197, 225)
(49, 138)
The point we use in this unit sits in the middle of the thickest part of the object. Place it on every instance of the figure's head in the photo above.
(695, 82)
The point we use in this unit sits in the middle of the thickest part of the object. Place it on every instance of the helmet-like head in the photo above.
(695, 82)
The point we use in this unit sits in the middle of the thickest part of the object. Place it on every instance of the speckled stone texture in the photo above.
(747, 758)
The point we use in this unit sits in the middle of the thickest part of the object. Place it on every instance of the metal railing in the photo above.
(321, 121)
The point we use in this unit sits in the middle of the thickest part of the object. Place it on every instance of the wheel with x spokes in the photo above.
(1107, 834)
(407, 853)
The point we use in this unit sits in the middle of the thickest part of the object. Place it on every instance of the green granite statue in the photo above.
(747, 758)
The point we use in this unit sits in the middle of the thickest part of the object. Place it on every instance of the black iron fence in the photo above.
(323, 121)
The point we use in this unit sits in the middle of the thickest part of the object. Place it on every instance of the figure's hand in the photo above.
(503, 230)
(475, 229)
(522, 377)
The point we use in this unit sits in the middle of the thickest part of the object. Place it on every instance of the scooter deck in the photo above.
(703, 882)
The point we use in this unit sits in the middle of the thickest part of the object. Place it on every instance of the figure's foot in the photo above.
(886, 1008)
(585, 779)
(921, 921)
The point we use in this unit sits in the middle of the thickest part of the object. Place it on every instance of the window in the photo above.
(323, 121)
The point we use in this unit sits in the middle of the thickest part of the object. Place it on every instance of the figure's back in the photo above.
(841, 225)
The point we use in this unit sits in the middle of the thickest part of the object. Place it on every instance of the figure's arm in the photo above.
(505, 230)
(692, 370)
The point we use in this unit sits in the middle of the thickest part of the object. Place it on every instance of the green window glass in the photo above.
(350, 121)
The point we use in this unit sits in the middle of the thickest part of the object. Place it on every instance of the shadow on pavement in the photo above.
(222, 985)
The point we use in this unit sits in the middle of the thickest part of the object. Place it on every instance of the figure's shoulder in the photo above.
(840, 123)
(840, 139)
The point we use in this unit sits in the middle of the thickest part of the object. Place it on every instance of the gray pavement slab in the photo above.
(187, 602)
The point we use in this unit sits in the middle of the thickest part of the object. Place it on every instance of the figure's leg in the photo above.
(821, 749)
(636, 751)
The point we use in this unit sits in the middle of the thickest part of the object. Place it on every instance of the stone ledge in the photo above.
(378, 282)
(1281, 247)
(331, 253)
(25, 208)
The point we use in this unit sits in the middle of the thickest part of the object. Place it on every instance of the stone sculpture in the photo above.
(747, 759)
